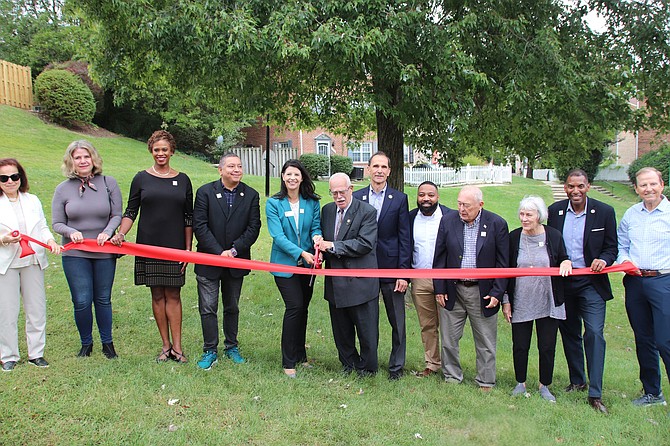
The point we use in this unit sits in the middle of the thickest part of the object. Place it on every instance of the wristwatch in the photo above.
(233, 251)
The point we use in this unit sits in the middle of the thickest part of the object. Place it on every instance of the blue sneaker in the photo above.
(233, 353)
(207, 360)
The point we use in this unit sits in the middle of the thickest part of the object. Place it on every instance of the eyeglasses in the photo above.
(335, 193)
(14, 177)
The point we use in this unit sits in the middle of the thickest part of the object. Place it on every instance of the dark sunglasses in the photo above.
(14, 177)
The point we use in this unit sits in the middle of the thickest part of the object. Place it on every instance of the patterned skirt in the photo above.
(154, 272)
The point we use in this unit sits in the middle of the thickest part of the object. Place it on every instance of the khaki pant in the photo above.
(26, 283)
(428, 311)
(484, 332)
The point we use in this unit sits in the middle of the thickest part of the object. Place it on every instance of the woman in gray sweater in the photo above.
(88, 206)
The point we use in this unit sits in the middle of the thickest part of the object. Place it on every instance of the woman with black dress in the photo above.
(165, 198)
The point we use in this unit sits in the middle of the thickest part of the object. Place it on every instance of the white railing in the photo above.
(445, 176)
(253, 159)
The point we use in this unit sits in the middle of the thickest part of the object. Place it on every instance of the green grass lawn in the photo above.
(125, 401)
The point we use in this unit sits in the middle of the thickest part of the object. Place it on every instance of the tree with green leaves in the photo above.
(522, 77)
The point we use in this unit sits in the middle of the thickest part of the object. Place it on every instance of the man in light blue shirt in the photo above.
(644, 240)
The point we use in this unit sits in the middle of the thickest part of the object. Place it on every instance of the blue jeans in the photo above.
(90, 282)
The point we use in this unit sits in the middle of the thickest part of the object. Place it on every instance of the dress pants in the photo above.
(648, 308)
(584, 304)
(208, 304)
(361, 320)
(394, 303)
(428, 311)
(484, 331)
(25, 283)
(296, 293)
(522, 333)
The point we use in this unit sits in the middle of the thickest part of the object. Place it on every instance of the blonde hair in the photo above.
(68, 168)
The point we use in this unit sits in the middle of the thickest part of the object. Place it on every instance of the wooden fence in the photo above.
(16, 85)
(465, 175)
(253, 159)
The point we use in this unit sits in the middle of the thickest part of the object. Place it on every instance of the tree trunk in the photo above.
(529, 169)
(391, 141)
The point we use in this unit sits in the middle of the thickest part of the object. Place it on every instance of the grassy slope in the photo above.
(125, 401)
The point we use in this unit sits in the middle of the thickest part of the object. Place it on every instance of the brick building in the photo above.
(320, 141)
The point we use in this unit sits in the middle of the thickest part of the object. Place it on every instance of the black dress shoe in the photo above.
(108, 351)
(576, 388)
(396, 375)
(85, 351)
(598, 405)
(362, 373)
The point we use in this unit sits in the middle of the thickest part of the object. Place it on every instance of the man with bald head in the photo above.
(470, 238)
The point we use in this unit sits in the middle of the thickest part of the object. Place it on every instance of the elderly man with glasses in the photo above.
(349, 230)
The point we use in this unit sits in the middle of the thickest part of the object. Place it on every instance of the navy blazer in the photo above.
(394, 247)
(557, 253)
(218, 227)
(600, 239)
(492, 252)
(355, 248)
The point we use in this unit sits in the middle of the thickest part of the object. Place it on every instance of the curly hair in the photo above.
(24, 187)
(68, 168)
(162, 135)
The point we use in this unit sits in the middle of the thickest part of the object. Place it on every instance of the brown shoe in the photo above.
(485, 389)
(576, 388)
(598, 405)
(425, 373)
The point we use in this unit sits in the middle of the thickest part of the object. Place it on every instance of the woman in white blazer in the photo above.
(21, 277)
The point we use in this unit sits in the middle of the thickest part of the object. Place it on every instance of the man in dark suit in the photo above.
(226, 222)
(349, 230)
(589, 232)
(471, 238)
(394, 251)
(424, 222)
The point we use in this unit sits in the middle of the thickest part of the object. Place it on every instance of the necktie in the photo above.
(338, 222)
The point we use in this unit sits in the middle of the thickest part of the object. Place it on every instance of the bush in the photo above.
(65, 98)
(339, 163)
(660, 159)
(316, 165)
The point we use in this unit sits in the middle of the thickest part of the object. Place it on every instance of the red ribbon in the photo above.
(26, 249)
(179, 255)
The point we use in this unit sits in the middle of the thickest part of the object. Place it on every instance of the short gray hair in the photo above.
(343, 175)
(227, 155)
(534, 203)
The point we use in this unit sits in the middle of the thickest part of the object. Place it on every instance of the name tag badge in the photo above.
(218, 195)
(302, 211)
(483, 234)
(560, 212)
(174, 183)
(288, 214)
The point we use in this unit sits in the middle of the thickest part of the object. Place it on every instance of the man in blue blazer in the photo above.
(471, 238)
(349, 229)
(589, 231)
(394, 250)
(226, 222)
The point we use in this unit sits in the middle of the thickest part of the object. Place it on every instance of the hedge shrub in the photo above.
(339, 163)
(660, 159)
(316, 165)
(65, 98)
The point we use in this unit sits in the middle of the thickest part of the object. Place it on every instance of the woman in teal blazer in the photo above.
(294, 225)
